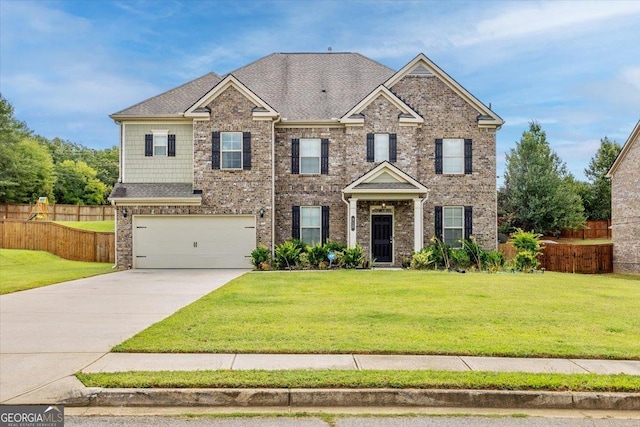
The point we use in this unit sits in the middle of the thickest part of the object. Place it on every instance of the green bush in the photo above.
(493, 261)
(527, 243)
(460, 258)
(334, 247)
(526, 261)
(317, 254)
(352, 258)
(423, 259)
(474, 251)
(287, 254)
(441, 253)
(260, 256)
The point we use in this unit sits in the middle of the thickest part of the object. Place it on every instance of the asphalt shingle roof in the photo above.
(300, 86)
(160, 190)
(174, 101)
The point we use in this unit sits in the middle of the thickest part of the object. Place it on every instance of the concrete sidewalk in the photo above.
(122, 362)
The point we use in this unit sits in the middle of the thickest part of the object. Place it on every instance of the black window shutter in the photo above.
(439, 156)
(246, 150)
(215, 150)
(324, 156)
(468, 221)
(295, 156)
(370, 147)
(438, 222)
(295, 222)
(325, 224)
(393, 150)
(148, 145)
(468, 157)
(171, 145)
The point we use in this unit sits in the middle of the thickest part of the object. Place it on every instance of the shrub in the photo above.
(493, 261)
(423, 259)
(287, 254)
(473, 251)
(317, 254)
(441, 253)
(527, 243)
(334, 247)
(259, 256)
(460, 259)
(303, 261)
(351, 258)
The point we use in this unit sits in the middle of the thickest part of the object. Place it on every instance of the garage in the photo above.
(193, 241)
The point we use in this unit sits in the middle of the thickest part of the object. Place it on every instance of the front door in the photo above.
(381, 239)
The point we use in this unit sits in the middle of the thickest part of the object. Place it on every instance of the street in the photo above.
(348, 421)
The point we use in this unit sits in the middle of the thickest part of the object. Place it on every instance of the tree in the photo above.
(596, 195)
(26, 167)
(77, 184)
(538, 193)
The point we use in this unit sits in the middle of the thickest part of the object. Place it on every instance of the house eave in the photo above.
(147, 117)
(156, 201)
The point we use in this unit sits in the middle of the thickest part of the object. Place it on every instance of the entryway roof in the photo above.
(385, 181)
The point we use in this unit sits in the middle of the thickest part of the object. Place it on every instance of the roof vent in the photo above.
(421, 71)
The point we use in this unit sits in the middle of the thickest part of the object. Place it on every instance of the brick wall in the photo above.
(625, 212)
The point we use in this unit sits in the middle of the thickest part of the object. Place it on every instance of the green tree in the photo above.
(77, 184)
(596, 195)
(26, 167)
(538, 193)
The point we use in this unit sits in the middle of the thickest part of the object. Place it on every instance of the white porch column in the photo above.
(353, 220)
(418, 228)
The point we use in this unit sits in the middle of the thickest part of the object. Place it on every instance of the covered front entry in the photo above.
(382, 238)
(372, 199)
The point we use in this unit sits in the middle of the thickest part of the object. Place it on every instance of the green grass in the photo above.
(24, 269)
(103, 226)
(408, 312)
(364, 379)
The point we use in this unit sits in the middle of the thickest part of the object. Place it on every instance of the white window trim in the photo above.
(222, 151)
(377, 157)
(319, 228)
(461, 157)
(300, 157)
(162, 133)
(444, 225)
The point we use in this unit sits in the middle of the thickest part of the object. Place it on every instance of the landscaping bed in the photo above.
(408, 312)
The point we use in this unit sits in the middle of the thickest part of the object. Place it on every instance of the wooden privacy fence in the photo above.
(59, 212)
(600, 229)
(586, 259)
(66, 242)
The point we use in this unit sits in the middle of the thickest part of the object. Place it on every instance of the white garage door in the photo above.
(193, 241)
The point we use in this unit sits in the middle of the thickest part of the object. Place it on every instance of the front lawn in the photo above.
(23, 269)
(102, 226)
(408, 312)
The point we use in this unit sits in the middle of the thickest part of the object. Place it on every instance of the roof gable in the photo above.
(408, 115)
(423, 66)
(388, 180)
(634, 138)
(198, 108)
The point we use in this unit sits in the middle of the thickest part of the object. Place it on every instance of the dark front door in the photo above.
(381, 226)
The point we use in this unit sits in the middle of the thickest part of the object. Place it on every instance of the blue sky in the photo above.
(573, 66)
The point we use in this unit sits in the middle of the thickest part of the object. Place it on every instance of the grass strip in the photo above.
(363, 379)
(101, 226)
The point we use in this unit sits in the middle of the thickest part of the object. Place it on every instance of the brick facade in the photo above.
(625, 210)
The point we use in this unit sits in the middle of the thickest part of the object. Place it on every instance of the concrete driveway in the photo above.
(49, 333)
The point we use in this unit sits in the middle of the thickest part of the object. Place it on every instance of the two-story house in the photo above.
(313, 146)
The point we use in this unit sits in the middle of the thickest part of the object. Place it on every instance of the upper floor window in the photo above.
(160, 143)
(381, 147)
(454, 156)
(310, 156)
(231, 150)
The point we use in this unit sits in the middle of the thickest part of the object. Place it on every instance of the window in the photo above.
(381, 147)
(453, 156)
(310, 224)
(231, 150)
(309, 156)
(453, 220)
(160, 143)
